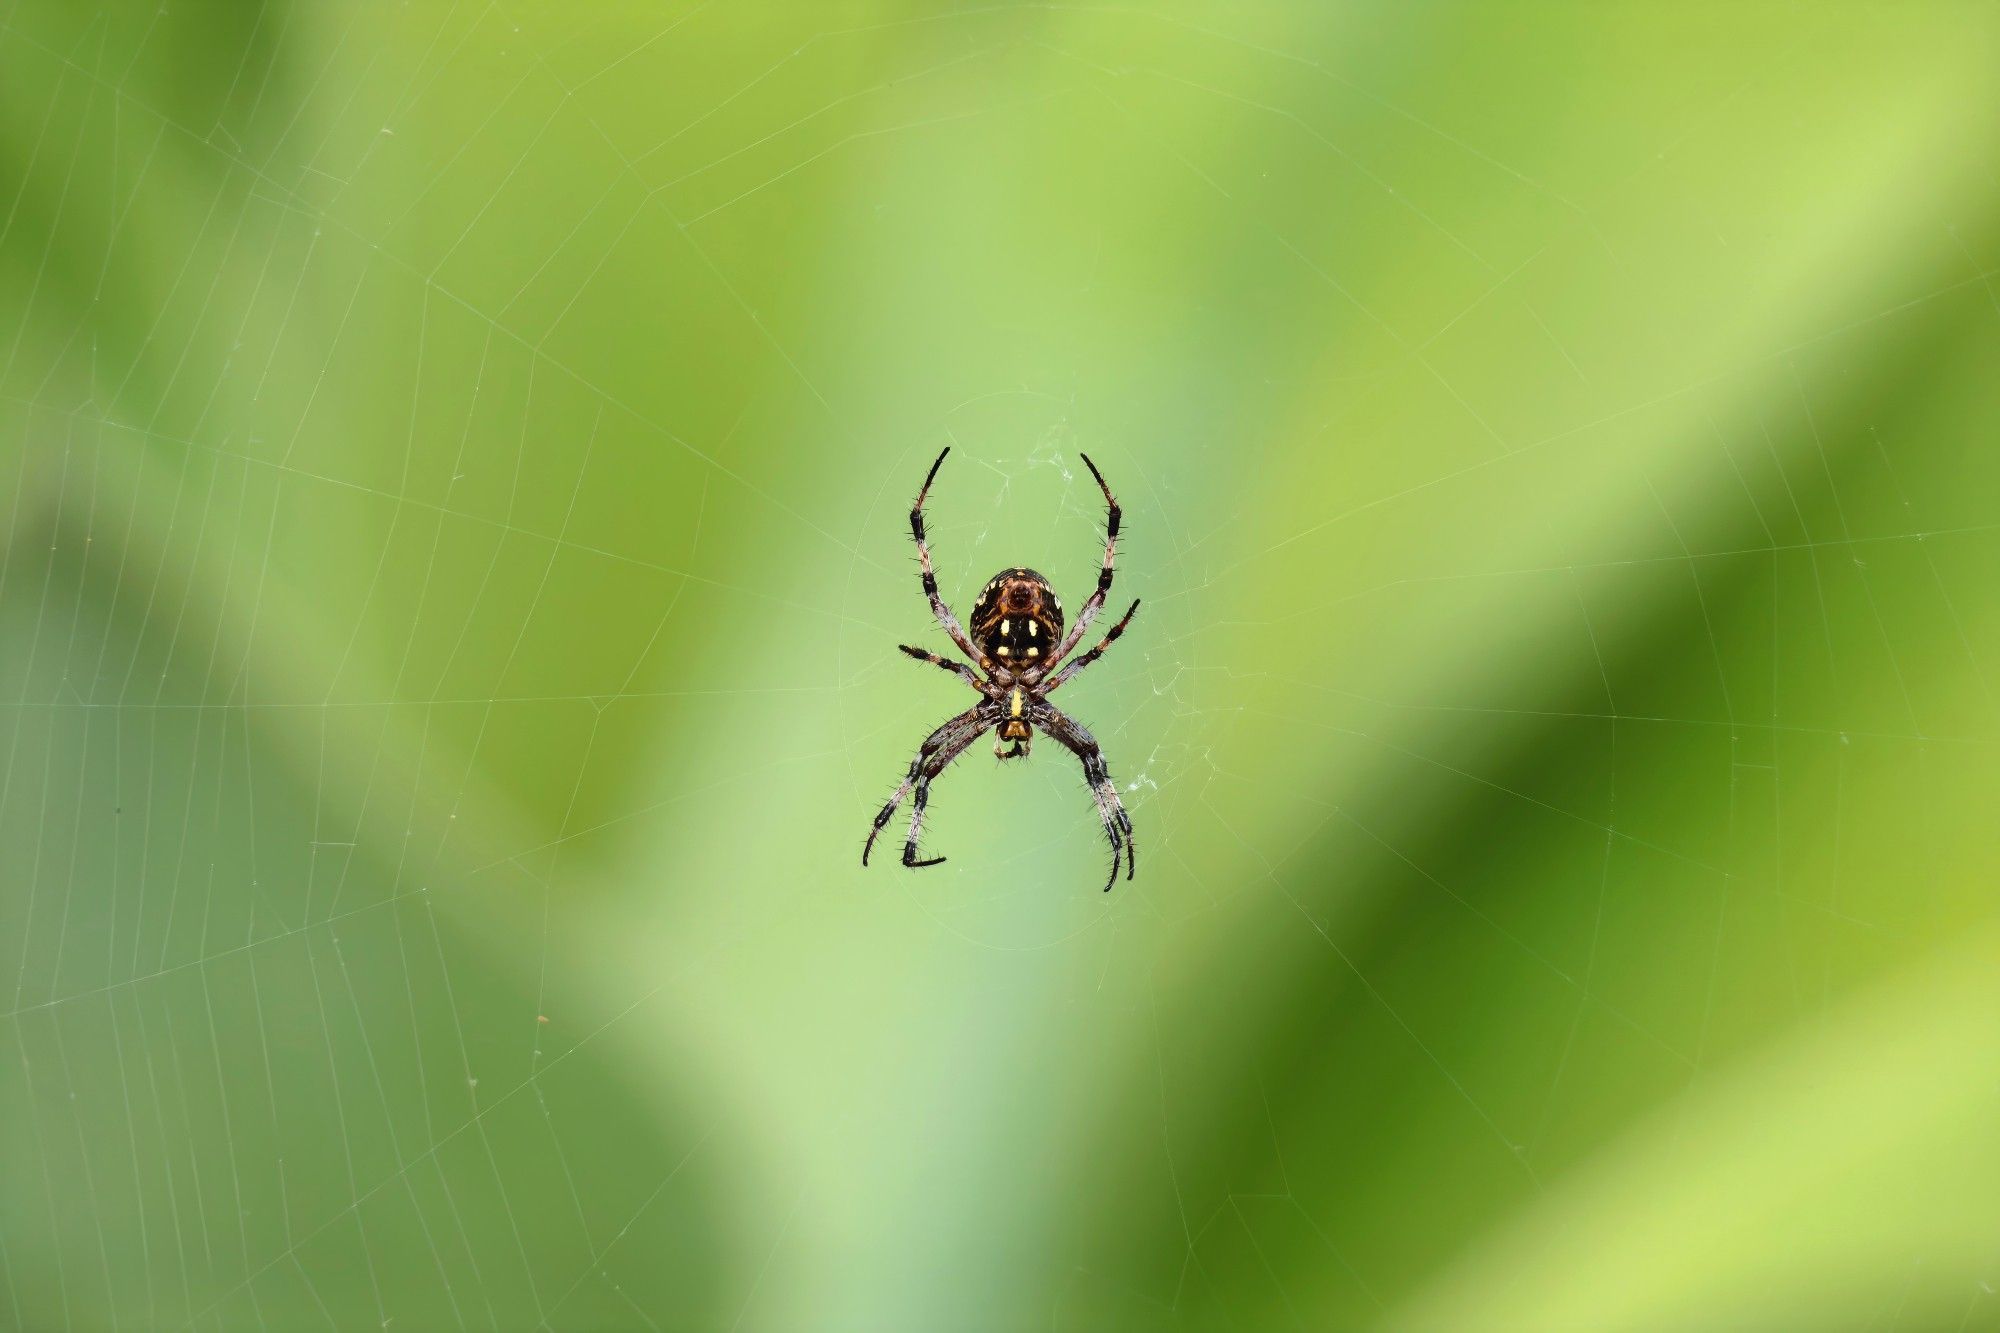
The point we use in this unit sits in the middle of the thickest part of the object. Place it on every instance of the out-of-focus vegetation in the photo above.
(452, 470)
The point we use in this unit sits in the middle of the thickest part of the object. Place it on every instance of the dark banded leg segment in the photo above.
(1075, 737)
(1070, 668)
(1096, 602)
(918, 800)
(1111, 812)
(945, 619)
(942, 746)
(959, 669)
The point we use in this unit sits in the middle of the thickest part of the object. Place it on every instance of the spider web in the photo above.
(453, 575)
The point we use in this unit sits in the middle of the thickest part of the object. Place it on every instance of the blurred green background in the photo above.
(455, 459)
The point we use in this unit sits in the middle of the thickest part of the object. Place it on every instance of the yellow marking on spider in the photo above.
(1034, 651)
(1006, 627)
(1014, 704)
(1002, 650)
(1034, 629)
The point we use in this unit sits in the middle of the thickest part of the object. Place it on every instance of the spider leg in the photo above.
(945, 619)
(1072, 667)
(1075, 737)
(1096, 602)
(942, 746)
(959, 669)
(920, 799)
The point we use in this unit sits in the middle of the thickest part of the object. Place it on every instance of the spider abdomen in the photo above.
(1016, 619)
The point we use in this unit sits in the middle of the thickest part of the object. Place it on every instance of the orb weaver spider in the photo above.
(1017, 640)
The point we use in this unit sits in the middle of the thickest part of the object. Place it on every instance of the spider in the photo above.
(1017, 639)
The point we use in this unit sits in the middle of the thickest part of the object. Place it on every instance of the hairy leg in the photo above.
(1072, 667)
(1096, 601)
(942, 746)
(959, 669)
(945, 618)
(1075, 737)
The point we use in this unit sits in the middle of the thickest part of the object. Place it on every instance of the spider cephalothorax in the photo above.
(1018, 640)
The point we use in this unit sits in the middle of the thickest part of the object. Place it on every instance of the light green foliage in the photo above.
(453, 463)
